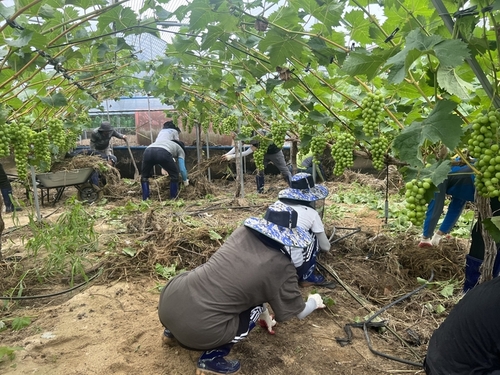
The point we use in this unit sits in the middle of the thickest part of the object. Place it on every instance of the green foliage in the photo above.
(258, 65)
(8, 352)
(167, 272)
(76, 238)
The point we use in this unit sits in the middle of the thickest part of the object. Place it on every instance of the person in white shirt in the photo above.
(304, 197)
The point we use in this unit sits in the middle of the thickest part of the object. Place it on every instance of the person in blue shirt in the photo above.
(460, 186)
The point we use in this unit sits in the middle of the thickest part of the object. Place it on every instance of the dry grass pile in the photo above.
(383, 267)
(186, 238)
(380, 184)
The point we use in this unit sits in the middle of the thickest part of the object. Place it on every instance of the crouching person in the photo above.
(215, 306)
(468, 341)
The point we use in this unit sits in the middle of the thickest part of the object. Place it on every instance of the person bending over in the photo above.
(468, 341)
(163, 153)
(217, 304)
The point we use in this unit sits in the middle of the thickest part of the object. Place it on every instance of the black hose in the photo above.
(13, 298)
(366, 324)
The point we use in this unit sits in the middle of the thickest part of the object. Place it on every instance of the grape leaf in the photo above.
(451, 82)
(440, 125)
(362, 62)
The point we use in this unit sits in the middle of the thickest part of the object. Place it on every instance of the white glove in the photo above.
(186, 183)
(436, 239)
(229, 157)
(270, 322)
(319, 301)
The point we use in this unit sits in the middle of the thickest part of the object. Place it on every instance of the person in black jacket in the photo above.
(6, 189)
(273, 155)
(100, 137)
(468, 341)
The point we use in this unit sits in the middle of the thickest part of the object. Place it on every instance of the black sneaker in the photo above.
(217, 365)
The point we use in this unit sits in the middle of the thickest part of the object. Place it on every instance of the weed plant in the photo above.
(63, 247)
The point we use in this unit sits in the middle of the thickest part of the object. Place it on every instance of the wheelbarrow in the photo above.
(81, 179)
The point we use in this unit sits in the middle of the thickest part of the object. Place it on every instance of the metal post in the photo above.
(242, 177)
(35, 197)
(198, 142)
(208, 157)
(314, 170)
(149, 119)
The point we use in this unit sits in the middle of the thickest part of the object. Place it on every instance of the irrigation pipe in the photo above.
(366, 324)
(52, 294)
(363, 303)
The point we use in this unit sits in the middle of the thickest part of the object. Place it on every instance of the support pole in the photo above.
(35, 195)
(208, 157)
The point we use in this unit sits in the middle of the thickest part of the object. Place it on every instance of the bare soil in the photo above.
(110, 326)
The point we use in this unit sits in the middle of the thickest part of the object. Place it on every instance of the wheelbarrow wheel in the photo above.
(89, 193)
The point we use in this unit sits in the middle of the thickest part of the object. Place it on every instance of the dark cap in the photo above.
(105, 127)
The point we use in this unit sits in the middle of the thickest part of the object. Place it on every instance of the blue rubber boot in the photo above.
(6, 193)
(145, 189)
(259, 180)
(213, 362)
(174, 190)
(472, 272)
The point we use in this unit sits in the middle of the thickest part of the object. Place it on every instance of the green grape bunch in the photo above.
(246, 131)
(378, 151)
(305, 130)
(4, 140)
(40, 156)
(71, 140)
(258, 158)
(372, 112)
(317, 146)
(342, 152)
(229, 124)
(184, 122)
(484, 146)
(415, 202)
(57, 136)
(20, 132)
(279, 133)
(260, 152)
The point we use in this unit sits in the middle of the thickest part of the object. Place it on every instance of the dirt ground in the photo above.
(110, 326)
